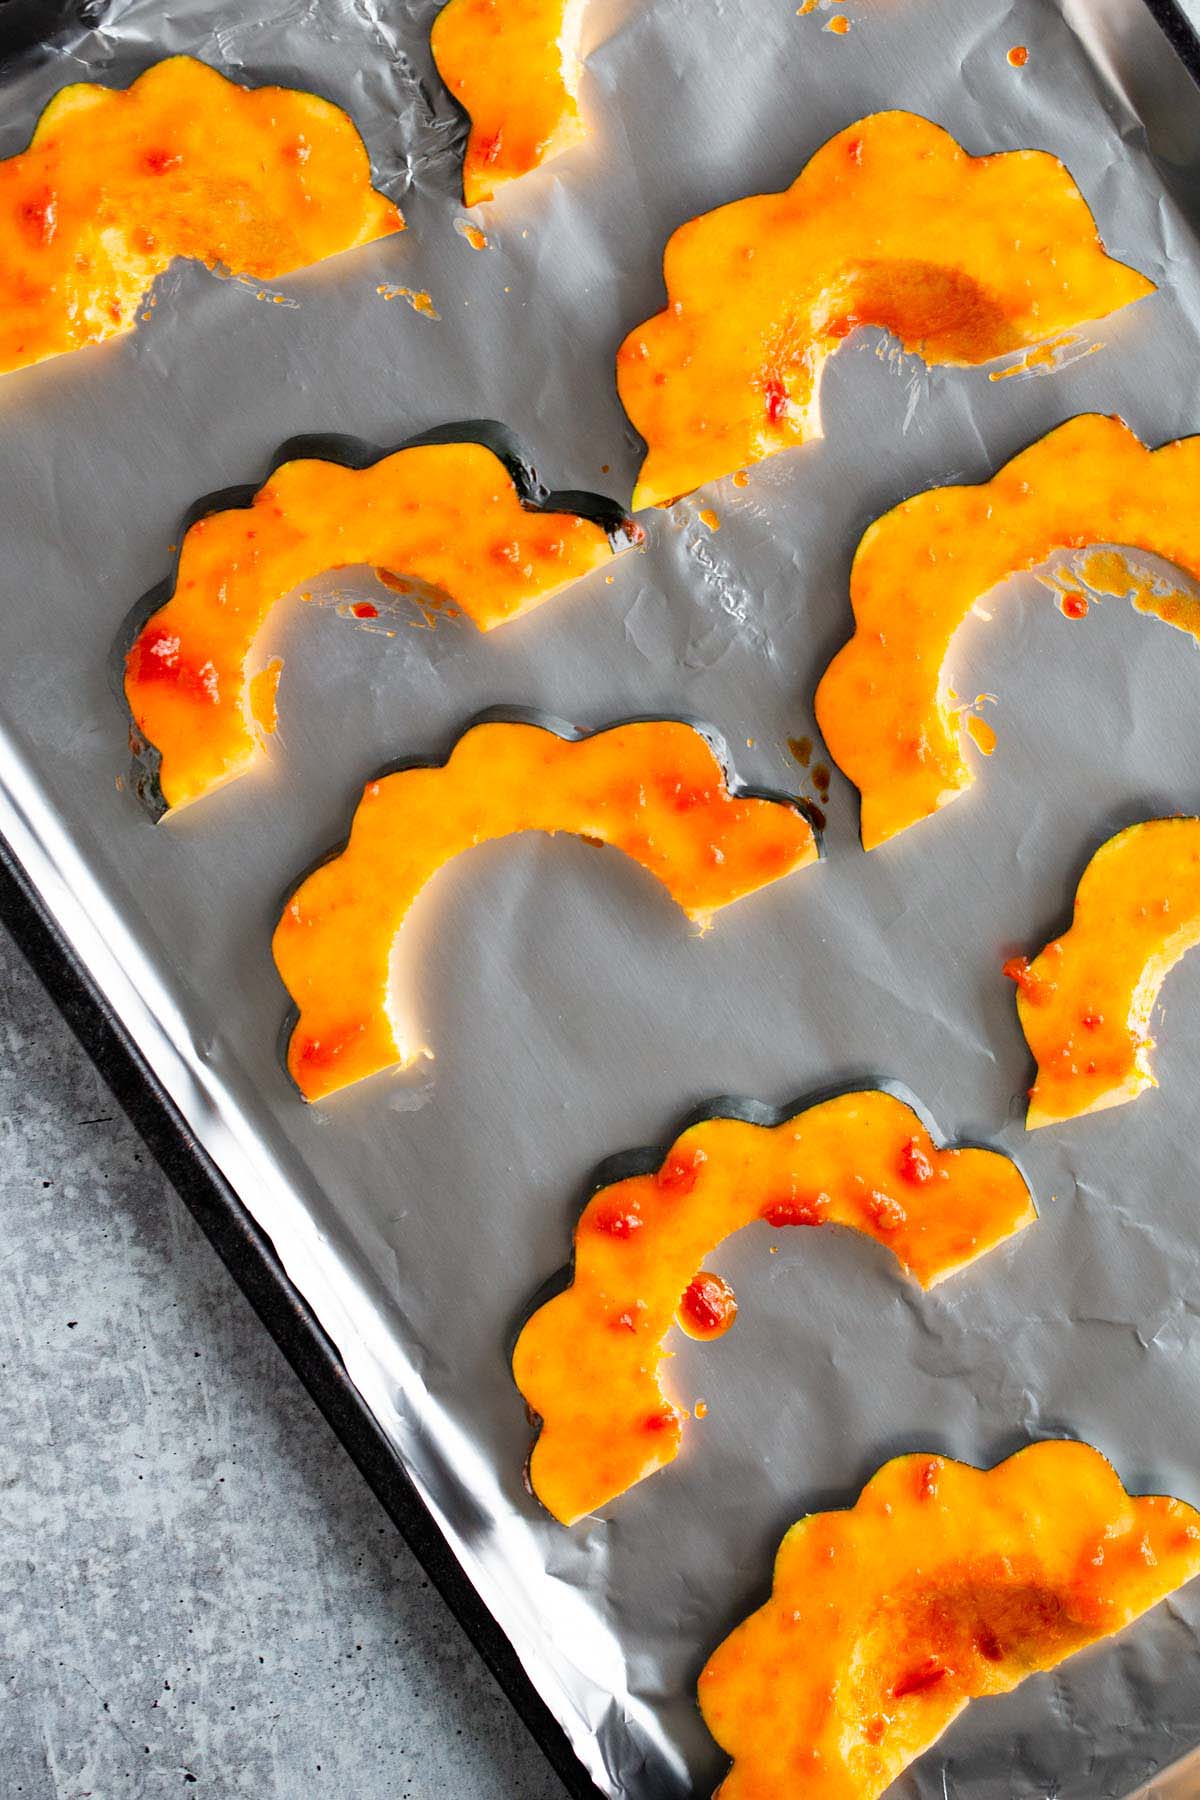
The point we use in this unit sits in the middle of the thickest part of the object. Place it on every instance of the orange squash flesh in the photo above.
(513, 65)
(883, 705)
(448, 515)
(941, 1585)
(117, 183)
(588, 1361)
(654, 789)
(962, 258)
(1085, 1003)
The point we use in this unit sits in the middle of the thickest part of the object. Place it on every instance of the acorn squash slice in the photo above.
(445, 510)
(117, 183)
(962, 258)
(513, 66)
(942, 1584)
(883, 704)
(655, 789)
(588, 1361)
(1085, 1003)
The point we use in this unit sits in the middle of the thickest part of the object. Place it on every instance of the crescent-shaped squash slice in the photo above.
(883, 704)
(116, 183)
(653, 788)
(450, 514)
(941, 1585)
(963, 258)
(513, 65)
(588, 1360)
(1085, 1003)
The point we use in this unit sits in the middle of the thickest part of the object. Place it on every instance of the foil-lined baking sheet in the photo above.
(571, 1010)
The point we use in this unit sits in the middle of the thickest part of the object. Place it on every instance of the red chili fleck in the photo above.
(708, 1307)
(488, 148)
(39, 218)
(680, 1173)
(664, 1420)
(925, 1675)
(915, 1166)
(160, 644)
(854, 149)
(159, 161)
(685, 799)
(1092, 1021)
(155, 658)
(791, 1211)
(399, 584)
(362, 609)
(928, 1475)
(615, 1220)
(776, 397)
(323, 1052)
(1017, 969)
(776, 857)
(1074, 606)
(887, 1214)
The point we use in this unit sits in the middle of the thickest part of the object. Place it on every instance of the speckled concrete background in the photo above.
(197, 1591)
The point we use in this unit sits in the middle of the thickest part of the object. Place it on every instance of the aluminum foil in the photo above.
(572, 1012)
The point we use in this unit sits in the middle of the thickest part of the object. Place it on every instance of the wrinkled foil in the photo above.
(571, 1010)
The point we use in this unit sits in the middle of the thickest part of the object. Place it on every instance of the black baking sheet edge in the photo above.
(1183, 36)
(247, 1253)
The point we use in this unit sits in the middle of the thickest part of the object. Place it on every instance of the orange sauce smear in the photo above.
(513, 65)
(886, 1619)
(588, 1362)
(919, 572)
(447, 516)
(1086, 1002)
(653, 789)
(116, 184)
(762, 291)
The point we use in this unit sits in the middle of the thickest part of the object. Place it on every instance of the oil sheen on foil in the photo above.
(572, 1012)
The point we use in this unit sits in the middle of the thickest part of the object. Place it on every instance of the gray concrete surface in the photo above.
(198, 1594)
